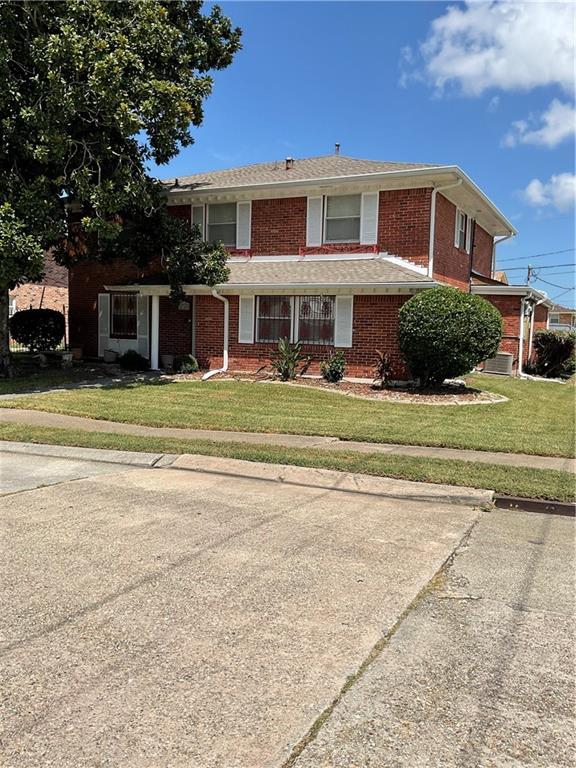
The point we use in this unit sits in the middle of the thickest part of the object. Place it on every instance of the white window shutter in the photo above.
(243, 224)
(457, 228)
(369, 218)
(198, 218)
(103, 322)
(246, 320)
(314, 221)
(143, 326)
(343, 321)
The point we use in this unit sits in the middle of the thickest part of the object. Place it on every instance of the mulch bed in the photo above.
(451, 393)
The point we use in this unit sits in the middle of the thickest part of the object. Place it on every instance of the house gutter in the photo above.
(224, 367)
(532, 321)
(433, 222)
(497, 242)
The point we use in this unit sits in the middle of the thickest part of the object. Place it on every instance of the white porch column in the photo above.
(155, 333)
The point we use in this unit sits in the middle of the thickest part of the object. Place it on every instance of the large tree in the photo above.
(92, 92)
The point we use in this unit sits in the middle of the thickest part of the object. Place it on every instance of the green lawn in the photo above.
(515, 481)
(537, 419)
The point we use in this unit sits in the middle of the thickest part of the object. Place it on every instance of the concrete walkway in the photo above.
(55, 420)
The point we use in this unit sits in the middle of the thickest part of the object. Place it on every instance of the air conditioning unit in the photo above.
(500, 364)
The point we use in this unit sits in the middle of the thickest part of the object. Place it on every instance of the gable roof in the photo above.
(305, 169)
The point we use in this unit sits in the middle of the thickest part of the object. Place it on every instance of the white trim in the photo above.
(405, 263)
(369, 216)
(243, 243)
(314, 221)
(343, 310)
(155, 333)
(512, 290)
(246, 331)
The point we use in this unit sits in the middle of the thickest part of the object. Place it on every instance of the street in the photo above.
(209, 612)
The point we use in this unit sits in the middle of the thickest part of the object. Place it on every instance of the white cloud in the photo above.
(558, 192)
(554, 125)
(493, 104)
(505, 45)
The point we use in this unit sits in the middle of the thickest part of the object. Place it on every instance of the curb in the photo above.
(130, 458)
(565, 508)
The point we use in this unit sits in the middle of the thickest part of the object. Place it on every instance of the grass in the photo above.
(515, 481)
(537, 419)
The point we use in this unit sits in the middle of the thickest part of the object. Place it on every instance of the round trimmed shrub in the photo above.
(185, 364)
(40, 330)
(133, 361)
(444, 333)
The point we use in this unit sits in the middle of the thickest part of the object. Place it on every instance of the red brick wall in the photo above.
(278, 226)
(175, 333)
(482, 252)
(404, 223)
(375, 325)
(509, 308)
(451, 264)
(87, 280)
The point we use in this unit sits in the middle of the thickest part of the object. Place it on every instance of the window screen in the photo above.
(342, 224)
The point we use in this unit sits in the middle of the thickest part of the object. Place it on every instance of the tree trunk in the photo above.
(5, 362)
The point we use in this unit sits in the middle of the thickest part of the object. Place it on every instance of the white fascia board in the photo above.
(434, 174)
(512, 290)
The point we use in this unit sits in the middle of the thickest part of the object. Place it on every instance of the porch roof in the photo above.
(373, 274)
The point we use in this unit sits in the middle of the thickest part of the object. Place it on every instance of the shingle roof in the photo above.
(309, 272)
(322, 272)
(323, 167)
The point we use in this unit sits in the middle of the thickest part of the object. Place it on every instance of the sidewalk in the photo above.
(60, 421)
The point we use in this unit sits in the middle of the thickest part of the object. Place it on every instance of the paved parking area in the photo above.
(225, 614)
(163, 617)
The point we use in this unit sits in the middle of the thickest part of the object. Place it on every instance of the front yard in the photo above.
(537, 419)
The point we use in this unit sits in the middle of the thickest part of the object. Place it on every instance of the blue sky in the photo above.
(488, 87)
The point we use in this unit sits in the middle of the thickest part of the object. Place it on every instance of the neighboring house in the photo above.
(324, 250)
(562, 318)
(51, 293)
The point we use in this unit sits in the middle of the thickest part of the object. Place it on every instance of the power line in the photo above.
(537, 255)
(554, 285)
(553, 298)
(548, 266)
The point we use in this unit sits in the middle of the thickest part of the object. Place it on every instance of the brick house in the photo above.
(325, 250)
(562, 318)
(50, 293)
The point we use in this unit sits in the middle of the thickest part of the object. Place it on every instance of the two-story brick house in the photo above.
(324, 250)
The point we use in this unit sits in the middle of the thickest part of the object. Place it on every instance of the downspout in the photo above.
(521, 344)
(435, 190)
(224, 368)
(533, 320)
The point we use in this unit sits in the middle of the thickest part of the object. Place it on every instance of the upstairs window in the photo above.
(463, 233)
(222, 224)
(342, 219)
(123, 315)
(12, 309)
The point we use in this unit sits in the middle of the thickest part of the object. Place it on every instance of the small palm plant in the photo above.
(287, 359)
(382, 370)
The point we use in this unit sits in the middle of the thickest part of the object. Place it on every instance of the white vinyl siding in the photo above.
(343, 322)
(369, 218)
(246, 320)
(314, 222)
(142, 326)
(243, 225)
(342, 219)
(222, 224)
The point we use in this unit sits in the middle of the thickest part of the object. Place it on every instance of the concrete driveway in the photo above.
(162, 617)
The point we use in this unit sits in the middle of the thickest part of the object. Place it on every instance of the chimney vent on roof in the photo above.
(289, 163)
(337, 148)
(176, 182)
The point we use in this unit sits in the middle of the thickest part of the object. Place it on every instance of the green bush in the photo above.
(40, 330)
(555, 353)
(333, 368)
(185, 364)
(132, 361)
(445, 332)
(287, 358)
